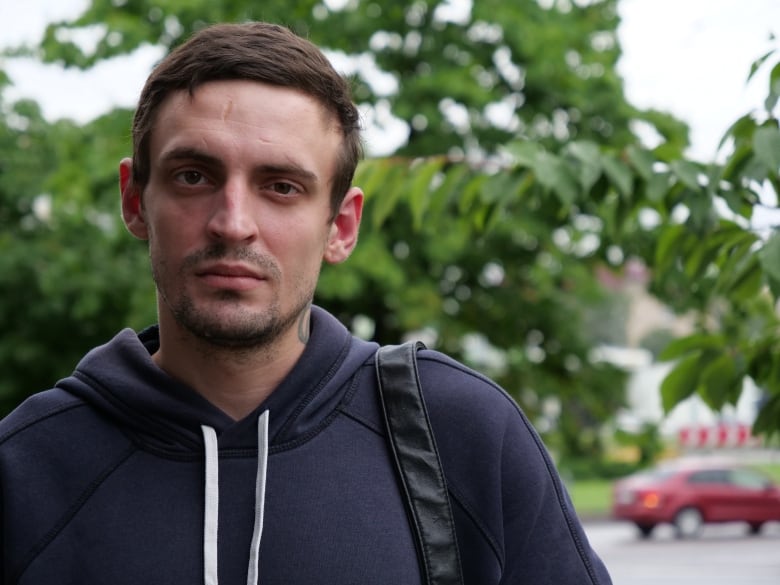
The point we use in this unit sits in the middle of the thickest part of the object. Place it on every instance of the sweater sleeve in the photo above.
(544, 541)
(516, 523)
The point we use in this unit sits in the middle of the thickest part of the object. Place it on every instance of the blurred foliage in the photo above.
(69, 275)
(656, 341)
(519, 182)
(647, 441)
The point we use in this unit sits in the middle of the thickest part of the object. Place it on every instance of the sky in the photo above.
(687, 57)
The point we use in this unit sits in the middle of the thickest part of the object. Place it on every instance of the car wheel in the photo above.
(755, 527)
(688, 522)
(645, 530)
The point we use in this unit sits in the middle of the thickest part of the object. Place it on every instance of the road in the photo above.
(722, 555)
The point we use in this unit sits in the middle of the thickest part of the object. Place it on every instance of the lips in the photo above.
(229, 276)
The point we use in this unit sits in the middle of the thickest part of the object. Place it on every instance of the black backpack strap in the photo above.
(417, 463)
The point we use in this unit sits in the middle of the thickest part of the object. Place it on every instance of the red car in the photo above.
(690, 494)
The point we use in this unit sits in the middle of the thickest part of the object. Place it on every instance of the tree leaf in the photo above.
(774, 89)
(557, 177)
(719, 382)
(769, 256)
(766, 421)
(589, 156)
(740, 131)
(471, 192)
(733, 259)
(619, 174)
(697, 342)
(642, 160)
(756, 65)
(681, 382)
(419, 187)
(385, 197)
(766, 145)
(688, 172)
(699, 259)
(523, 152)
(670, 245)
(748, 282)
(657, 187)
(449, 189)
(738, 160)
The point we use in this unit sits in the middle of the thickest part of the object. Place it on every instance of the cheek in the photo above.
(171, 230)
(303, 256)
(167, 248)
(301, 236)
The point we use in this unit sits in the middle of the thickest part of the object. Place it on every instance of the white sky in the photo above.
(688, 57)
(692, 58)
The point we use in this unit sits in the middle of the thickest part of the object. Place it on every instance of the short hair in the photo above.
(255, 51)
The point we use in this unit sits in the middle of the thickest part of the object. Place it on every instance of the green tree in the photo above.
(69, 276)
(519, 178)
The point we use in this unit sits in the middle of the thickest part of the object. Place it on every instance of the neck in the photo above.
(236, 380)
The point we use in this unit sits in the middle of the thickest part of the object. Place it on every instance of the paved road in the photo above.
(722, 555)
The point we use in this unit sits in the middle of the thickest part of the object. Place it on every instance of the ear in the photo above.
(132, 210)
(344, 229)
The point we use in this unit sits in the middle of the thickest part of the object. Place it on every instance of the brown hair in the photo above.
(255, 51)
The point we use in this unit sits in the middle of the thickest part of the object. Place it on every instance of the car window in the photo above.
(656, 474)
(709, 476)
(748, 478)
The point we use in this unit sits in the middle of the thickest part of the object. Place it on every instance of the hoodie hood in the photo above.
(121, 380)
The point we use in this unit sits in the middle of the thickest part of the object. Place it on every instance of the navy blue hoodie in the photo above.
(110, 478)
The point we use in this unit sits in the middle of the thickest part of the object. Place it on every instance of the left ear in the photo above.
(132, 211)
(344, 229)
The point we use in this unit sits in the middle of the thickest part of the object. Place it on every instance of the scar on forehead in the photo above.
(227, 109)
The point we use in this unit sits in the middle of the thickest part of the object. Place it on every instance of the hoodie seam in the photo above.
(454, 494)
(71, 513)
(353, 383)
(334, 368)
(38, 418)
(363, 421)
(475, 519)
(565, 509)
(160, 428)
(308, 436)
(170, 454)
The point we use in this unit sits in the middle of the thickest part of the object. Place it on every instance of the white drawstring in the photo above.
(252, 575)
(211, 512)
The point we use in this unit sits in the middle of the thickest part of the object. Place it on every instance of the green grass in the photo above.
(771, 469)
(592, 497)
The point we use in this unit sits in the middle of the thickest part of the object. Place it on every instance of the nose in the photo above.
(232, 219)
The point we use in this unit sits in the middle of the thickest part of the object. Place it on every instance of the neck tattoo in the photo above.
(304, 325)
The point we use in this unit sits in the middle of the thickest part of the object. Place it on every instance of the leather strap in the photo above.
(417, 462)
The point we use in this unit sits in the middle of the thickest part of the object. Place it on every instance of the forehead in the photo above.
(249, 117)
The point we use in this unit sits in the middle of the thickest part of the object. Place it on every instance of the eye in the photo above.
(282, 188)
(190, 177)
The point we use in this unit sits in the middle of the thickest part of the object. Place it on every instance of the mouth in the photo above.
(229, 276)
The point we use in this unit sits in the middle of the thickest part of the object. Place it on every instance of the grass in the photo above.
(592, 497)
(771, 469)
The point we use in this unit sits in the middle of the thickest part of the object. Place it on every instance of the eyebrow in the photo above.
(291, 169)
(187, 153)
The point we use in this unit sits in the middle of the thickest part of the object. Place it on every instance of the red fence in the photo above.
(722, 435)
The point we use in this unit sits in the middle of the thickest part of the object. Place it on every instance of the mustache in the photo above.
(222, 252)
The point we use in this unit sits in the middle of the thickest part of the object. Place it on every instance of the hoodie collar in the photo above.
(121, 379)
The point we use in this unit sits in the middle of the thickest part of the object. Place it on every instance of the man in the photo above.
(241, 439)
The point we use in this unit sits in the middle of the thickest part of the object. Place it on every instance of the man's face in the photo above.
(237, 210)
